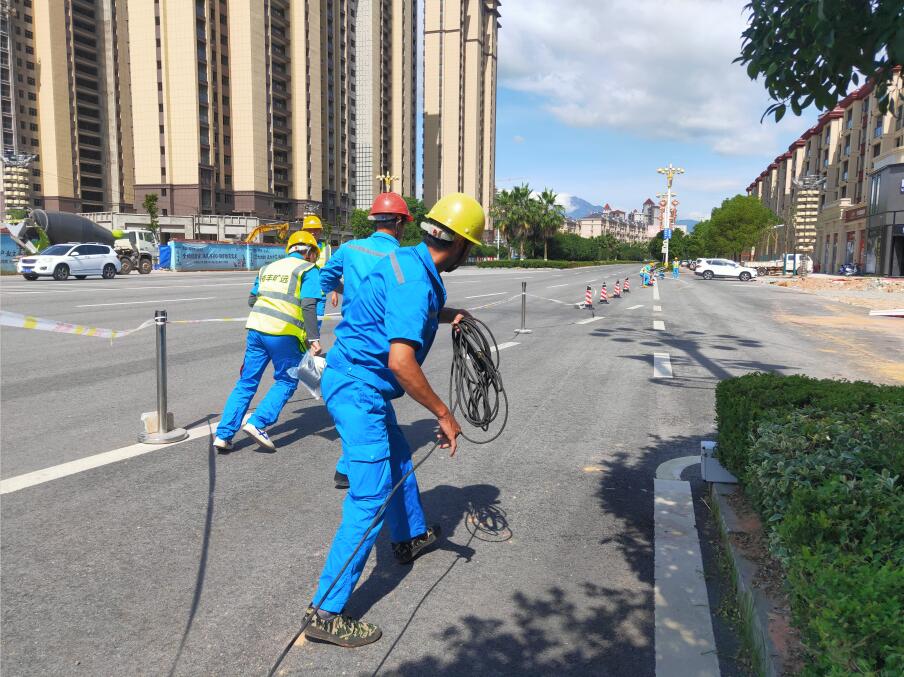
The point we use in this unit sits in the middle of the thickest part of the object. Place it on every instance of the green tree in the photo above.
(513, 213)
(736, 225)
(677, 245)
(811, 51)
(551, 218)
(150, 206)
(360, 225)
(14, 215)
(413, 229)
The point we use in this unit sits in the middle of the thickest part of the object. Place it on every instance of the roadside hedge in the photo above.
(540, 263)
(823, 463)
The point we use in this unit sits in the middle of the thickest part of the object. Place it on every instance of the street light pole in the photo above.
(669, 173)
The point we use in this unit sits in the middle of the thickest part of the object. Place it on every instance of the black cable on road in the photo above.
(476, 390)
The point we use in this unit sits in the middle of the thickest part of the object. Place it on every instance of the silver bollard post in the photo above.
(524, 311)
(162, 434)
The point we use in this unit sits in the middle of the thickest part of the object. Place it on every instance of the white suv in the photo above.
(63, 260)
(710, 268)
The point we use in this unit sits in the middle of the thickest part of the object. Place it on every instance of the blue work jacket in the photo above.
(400, 298)
(352, 262)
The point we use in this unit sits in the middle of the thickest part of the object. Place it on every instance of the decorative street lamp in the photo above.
(387, 179)
(670, 172)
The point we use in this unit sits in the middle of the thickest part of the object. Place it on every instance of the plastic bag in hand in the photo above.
(309, 371)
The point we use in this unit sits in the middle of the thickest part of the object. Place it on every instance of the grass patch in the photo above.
(540, 263)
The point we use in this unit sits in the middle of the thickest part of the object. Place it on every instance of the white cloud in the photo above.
(518, 138)
(651, 68)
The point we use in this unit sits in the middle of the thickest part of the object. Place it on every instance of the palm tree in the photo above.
(552, 216)
(512, 212)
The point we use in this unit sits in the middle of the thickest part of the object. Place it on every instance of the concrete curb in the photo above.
(757, 608)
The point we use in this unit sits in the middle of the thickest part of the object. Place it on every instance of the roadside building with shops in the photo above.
(852, 147)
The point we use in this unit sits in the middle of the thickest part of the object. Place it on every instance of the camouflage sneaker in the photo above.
(341, 630)
(407, 551)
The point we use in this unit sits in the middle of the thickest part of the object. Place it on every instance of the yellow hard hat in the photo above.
(311, 222)
(461, 214)
(302, 237)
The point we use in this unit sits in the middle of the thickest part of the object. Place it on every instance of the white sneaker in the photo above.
(223, 445)
(260, 436)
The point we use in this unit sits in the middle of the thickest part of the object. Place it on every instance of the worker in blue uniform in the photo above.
(351, 263)
(382, 341)
(282, 325)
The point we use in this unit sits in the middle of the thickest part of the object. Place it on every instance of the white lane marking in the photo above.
(657, 309)
(503, 346)
(683, 632)
(55, 290)
(662, 365)
(589, 320)
(656, 293)
(482, 296)
(635, 307)
(55, 472)
(557, 285)
(659, 325)
(135, 303)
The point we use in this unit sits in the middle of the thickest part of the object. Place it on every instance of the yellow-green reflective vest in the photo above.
(277, 310)
(326, 251)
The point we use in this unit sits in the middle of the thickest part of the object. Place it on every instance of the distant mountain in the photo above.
(690, 223)
(575, 207)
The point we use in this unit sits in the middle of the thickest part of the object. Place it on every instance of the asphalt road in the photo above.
(183, 561)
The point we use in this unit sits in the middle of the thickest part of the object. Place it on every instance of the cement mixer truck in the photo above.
(136, 249)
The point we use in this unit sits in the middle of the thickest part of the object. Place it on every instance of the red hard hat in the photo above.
(392, 204)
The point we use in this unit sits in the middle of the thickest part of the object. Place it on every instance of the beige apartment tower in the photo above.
(386, 91)
(246, 106)
(67, 127)
(460, 47)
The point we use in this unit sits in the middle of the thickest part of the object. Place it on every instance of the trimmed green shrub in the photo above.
(540, 263)
(742, 401)
(823, 463)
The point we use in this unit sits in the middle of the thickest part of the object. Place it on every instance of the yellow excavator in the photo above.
(282, 231)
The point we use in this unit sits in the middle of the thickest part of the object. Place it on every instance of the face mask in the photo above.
(462, 256)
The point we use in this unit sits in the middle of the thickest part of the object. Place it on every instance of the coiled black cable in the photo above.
(475, 389)
(475, 382)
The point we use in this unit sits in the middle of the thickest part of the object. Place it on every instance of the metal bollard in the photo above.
(163, 435)
(524, 311)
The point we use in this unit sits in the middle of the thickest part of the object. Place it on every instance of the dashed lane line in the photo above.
(659, 325)
(662, 365)
(557, 285)
(503, 346)
(656, 293)
(135, 303)
(590, 319)
(657, 309)
(483, 296)
(635, 307)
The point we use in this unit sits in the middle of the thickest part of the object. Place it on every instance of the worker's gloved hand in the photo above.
(315, 348)
(252, 299)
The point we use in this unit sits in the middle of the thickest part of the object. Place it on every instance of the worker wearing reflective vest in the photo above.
(383, 339)
(314, 226)
(282, 325)
(351, 263)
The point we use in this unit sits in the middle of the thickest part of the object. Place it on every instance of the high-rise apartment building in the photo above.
(245, 106)
(66, 124)
(386, 91)
(460, 47)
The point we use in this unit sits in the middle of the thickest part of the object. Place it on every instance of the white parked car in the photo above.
(710, 268)
(62, 260)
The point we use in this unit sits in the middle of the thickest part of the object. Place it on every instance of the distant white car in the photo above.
(62, 260)
(710, 268)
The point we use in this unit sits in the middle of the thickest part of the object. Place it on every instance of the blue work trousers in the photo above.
(260, 349)
(377, 457)
(644, 279)
(675, 273)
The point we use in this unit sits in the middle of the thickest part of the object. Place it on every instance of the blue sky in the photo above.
(592, 100)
